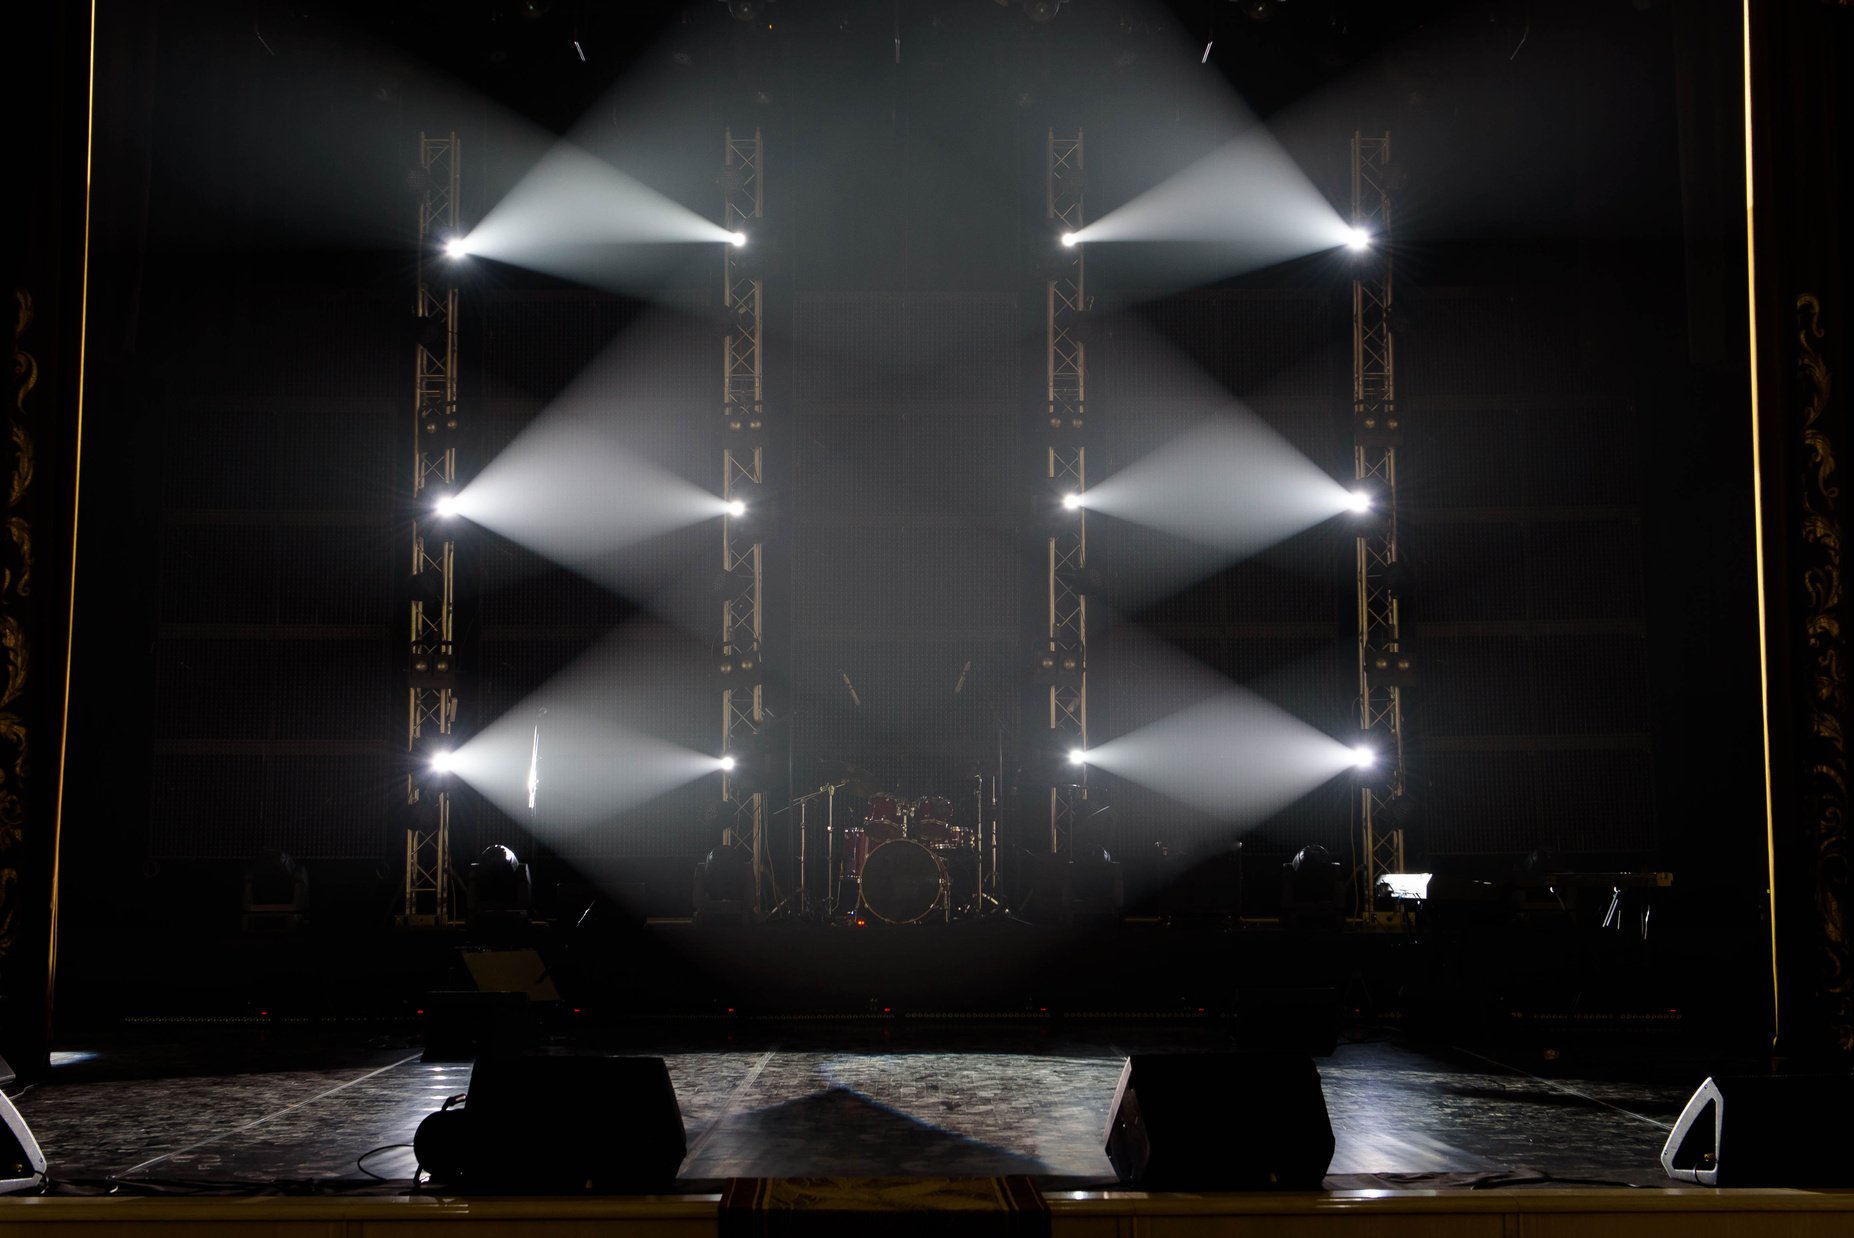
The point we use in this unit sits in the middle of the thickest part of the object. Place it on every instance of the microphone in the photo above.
(855, 699)
(963, 672)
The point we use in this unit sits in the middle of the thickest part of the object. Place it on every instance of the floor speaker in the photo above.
(22, 1165)
(1765, 1130)
(1220, 1122)
(558, 1124)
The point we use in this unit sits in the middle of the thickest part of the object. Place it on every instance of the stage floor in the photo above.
(228, 1109)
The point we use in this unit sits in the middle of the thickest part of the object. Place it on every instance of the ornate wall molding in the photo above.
(15, 635)
(1826, 764)
(15, 639)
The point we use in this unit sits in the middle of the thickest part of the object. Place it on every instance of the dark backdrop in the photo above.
(1576, 509)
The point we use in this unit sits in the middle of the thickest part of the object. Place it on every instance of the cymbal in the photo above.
(856, 780)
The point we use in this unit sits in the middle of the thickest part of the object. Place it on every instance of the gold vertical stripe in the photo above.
(1757, 514)
(77, 468)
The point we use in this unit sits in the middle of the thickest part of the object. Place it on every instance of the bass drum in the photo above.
(902, 882)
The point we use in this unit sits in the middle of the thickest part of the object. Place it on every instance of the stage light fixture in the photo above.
(1377, 427)
(1364, 757)
(1368, 505)
(1390, 668)
(443, 761)
(1404, 887)
(736, 507)
(1063, 667)
(1357, 239)
(1071, 502)
(1069, 239)
(1311, 899)
(498, 891)
(726, 764)
(446, 506)
(456, 247)
(437, 418)
(435, 670)
(1077, 757)
(736, 239)
(737, 667)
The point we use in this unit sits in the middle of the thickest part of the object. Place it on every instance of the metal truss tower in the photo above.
(1383, 665)
(431, 666)
(743, 476)
(1064, 659)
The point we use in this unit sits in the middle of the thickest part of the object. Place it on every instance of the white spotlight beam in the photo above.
(587, 741)
(1249, 194)
(1235, 757)
(570, 205)
(1211, 745)
(1216, 484)
(582, 484)
(1227, 481)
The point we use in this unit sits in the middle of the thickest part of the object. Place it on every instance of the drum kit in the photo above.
(903, 861)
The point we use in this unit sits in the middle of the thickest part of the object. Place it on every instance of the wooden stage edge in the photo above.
(1690, 1212)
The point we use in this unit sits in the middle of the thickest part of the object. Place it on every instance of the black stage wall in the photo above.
(1541, 361)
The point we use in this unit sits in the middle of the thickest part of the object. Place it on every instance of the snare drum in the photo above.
(902, 882)
(954, 838)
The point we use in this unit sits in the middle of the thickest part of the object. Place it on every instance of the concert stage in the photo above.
(1437, 1139)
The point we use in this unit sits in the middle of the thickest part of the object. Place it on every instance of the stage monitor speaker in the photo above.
(1765, 1130)
(558, 1124)
(1220, 1122)
(22, 1165)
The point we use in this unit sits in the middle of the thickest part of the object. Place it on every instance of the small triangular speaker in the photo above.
(1765, 1130)
(22, 1165)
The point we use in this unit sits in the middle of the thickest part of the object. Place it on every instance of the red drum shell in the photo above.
(886, 817)
(931, 820)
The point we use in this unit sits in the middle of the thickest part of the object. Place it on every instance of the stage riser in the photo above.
(1533, 1214)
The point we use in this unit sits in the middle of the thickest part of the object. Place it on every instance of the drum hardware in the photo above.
(987, 844)
(799, 901)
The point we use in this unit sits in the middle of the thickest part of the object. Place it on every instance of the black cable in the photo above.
(385, 1147)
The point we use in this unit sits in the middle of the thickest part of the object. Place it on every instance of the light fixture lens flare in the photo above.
(445, 507)
(1069, 239)
(456, 247)
(1077, 757)
(1357, 238)
(727, 763)
(1071, 502)
(734, 507)
(736, 239)
(443, 762)
(1359, 501)
(1363, 757)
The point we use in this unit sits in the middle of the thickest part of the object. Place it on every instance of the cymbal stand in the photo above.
(830, 845)
(996, 867)
(798, 903)
(978, 839)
